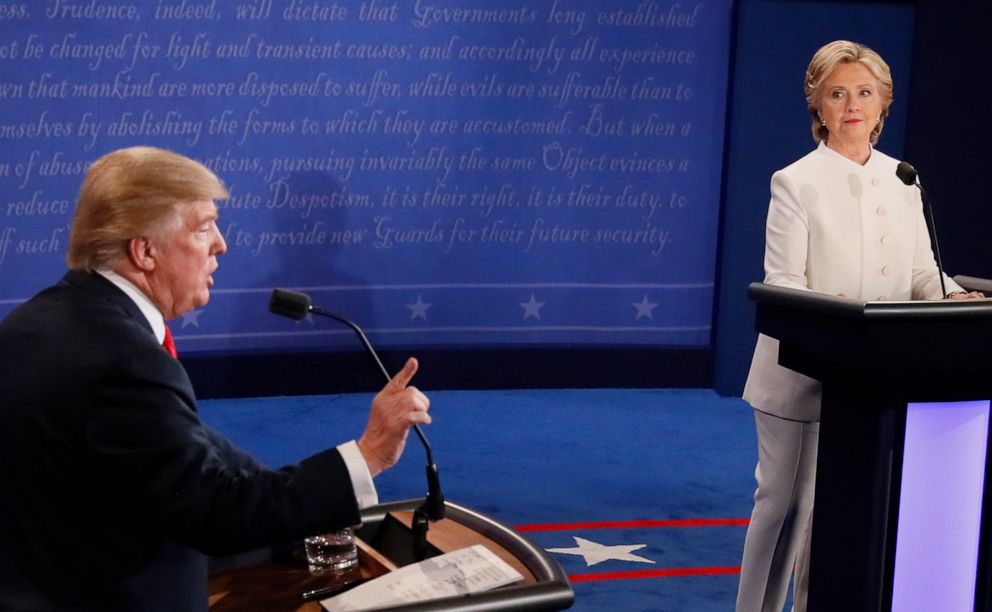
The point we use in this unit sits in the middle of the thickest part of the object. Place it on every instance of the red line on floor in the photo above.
(656, 573)
(729, 522)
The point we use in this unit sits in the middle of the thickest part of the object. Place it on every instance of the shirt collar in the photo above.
(824, 149)
(145, 305)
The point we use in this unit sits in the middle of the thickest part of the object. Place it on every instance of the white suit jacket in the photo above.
(837, 227)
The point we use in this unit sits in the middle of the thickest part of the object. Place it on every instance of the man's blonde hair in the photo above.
(128, 193)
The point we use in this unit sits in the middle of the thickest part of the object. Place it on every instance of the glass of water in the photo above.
(334, 551)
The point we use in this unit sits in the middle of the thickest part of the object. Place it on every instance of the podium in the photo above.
(902, 513)
(277, 583)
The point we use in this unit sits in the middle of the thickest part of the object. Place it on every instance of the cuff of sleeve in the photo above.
(952, 287)
(361, 478)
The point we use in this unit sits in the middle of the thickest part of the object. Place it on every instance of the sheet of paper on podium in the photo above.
(460, 572)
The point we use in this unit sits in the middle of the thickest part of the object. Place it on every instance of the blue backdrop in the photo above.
(443, 172)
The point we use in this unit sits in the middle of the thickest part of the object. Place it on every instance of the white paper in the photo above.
(460, 572)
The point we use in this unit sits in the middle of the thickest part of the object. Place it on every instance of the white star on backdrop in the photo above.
(418, 310)
(645, 308)
(191, 318)
(594, 552)
(532, 308)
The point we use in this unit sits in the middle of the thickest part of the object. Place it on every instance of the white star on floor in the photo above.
(645, 308)
(532, 308)
(191, 318)
(594, 553)
(418, 310)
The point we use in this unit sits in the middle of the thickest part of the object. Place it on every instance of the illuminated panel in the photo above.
(940, 506)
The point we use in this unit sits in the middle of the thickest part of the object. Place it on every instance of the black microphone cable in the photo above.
(908, 175)
(297, 305)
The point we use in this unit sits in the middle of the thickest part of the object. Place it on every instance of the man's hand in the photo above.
(394, 409)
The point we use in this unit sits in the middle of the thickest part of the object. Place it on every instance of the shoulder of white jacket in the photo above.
(812, 160)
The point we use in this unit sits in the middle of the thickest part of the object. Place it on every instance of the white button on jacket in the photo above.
(839, 228)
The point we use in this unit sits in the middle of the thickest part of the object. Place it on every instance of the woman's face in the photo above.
(850, 104)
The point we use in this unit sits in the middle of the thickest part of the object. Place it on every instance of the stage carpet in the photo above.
(642, 495)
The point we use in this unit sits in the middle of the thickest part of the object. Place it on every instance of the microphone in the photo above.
(908, 175)
(292, 304)
(296, 305)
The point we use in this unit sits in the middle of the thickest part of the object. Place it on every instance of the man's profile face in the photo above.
(186, 257)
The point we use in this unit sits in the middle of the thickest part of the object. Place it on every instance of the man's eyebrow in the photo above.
(206, 218)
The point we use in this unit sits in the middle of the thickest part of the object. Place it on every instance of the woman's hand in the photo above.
(966, 295)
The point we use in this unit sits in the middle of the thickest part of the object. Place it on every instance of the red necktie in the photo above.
(169, 343)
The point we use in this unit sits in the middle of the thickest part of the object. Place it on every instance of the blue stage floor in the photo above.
(665, 477)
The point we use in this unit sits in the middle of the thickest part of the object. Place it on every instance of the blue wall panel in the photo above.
(446, 173)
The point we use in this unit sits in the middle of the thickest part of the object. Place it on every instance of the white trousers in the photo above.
(778, 535)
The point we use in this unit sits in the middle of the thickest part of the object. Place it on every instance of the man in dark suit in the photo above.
(113, 488)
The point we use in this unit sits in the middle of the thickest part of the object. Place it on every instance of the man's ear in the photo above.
(142, 253)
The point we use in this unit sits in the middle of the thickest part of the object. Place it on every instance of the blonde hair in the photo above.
(130, 192)
(823, 63)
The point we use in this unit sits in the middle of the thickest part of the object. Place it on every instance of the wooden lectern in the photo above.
(902, 515)
(278, 583)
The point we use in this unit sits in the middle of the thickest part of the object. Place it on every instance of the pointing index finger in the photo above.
(402, 378)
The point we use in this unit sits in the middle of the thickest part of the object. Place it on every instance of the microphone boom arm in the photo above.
(371, 351)
(911, 178)
(933, 231)
(297, 305)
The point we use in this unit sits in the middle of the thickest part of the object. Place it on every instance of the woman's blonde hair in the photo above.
(128, 193)
(823, 63)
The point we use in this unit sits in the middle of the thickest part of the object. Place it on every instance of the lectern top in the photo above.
(847, 308)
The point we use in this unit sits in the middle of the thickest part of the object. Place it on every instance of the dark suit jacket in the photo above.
(112, 487)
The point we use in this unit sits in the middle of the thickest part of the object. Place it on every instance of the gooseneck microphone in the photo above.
(297, 305)
(908, 175)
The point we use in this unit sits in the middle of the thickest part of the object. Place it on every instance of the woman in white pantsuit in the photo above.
(840, 222)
